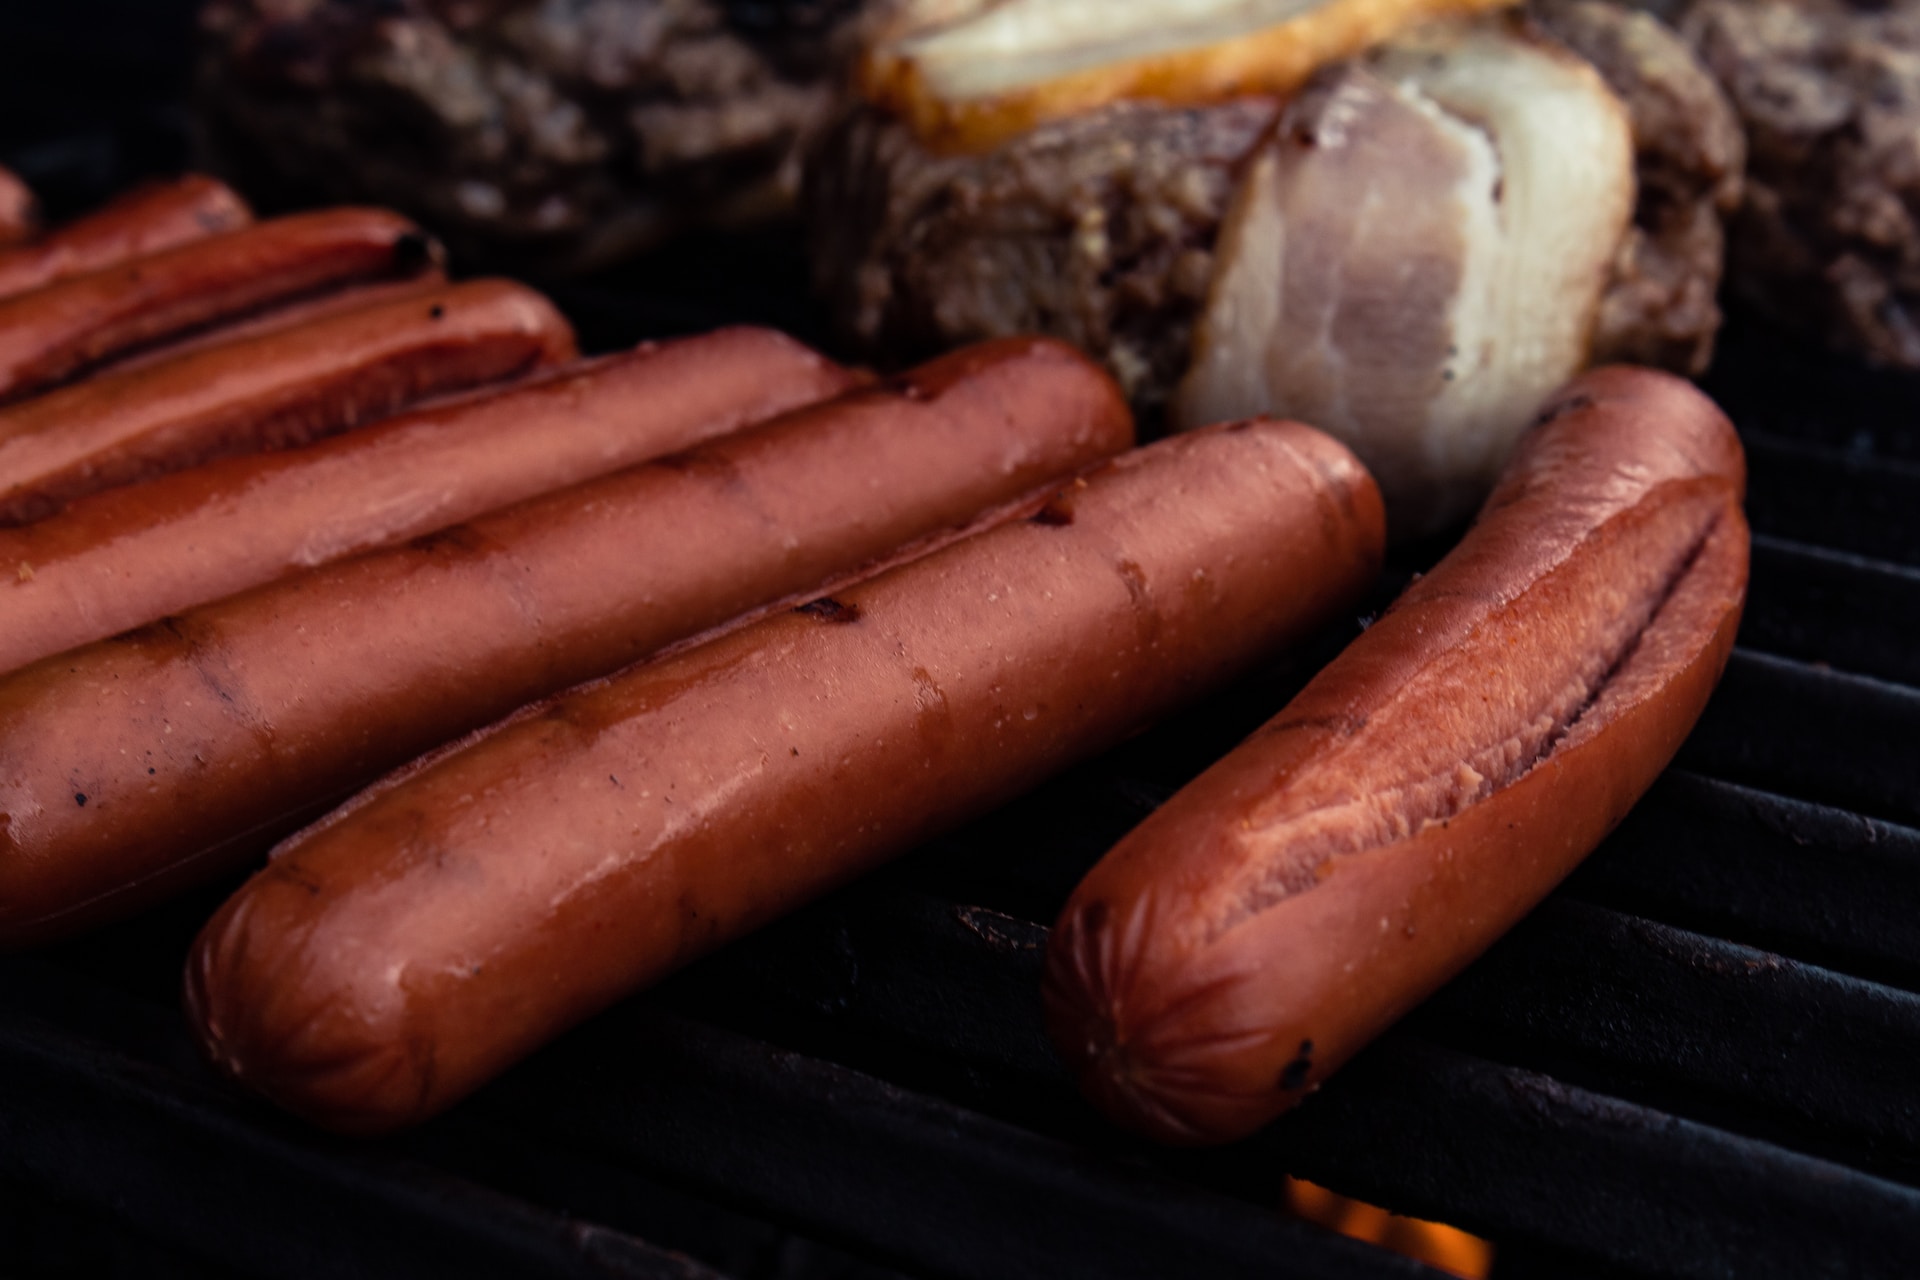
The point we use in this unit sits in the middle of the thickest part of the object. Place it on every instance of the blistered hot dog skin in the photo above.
(148, 219)
(1426, 789)
(51, 333)
(19, 211)
(272, 390)
(458, 915)
(125, 557)
(155, 757)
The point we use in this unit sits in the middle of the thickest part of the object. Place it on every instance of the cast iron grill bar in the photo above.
(881, 967)
(193, 1168)
(737, 1122)
(1828, 607)
(941, 1189)
(1862, 504)
(1741, 1037)
(1824, 736)
(1748, 1040)
(92, 1015)
(1819, 884)
(1516, 1154)
(1779, 383)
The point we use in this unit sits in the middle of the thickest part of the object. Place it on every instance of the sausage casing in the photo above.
(50, 334)
(128, 556)
(1426, 789)
(451, 919)
(148, 219)
(271, 391)
(159, 755)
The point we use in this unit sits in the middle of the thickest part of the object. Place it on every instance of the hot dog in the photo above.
(1426, 789)
(51, 333)
(271, 391)
(130, 555)
(149, 219)
(149, 758)
(19, 211)
(396, 955)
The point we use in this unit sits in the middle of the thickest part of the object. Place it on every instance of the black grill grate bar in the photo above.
(1774, 381)
(1518, 1155)
(90, 1013)
(935, 1187)
(1834, 609)
(1859, 503)
(1742, 1038)
(223, 1181)
(1745, 1039)
(1819, 884)
(1799, 730)
(1627, 1181)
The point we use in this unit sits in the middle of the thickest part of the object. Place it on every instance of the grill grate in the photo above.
(1693, 1061)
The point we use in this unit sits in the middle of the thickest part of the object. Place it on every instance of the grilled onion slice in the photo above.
(968, 74)
(1416, 259)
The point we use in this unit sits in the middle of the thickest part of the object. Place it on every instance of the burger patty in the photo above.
(561, 133)
(1098, 229)
(1690, 155)
(1827, 240)
(1101, 229)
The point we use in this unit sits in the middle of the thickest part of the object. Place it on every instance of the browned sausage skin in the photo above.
(148, 219)
(1428, 788)
(54, 332)
(128, 556)
(19, 211)
(270, 391)
(156, 757)
(455, 917)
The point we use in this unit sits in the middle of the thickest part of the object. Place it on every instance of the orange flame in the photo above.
(1434, 1243)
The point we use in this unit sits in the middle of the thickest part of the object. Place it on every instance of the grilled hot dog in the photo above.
(158, 755)
(149, 219)
(270, 391)
(453, 918)
(130, 555)
(1426, 789)
(51, 333)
